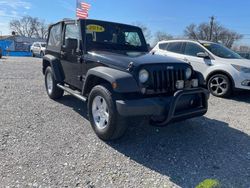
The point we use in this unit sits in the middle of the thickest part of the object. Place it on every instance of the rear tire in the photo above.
(103, 116)
(220, 85)
(51, 85)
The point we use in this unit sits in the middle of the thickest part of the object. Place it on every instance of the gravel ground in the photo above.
(46, 143)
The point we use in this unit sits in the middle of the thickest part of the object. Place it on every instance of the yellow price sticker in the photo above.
(95, 28)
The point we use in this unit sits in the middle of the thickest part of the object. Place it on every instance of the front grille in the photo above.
(164, 81)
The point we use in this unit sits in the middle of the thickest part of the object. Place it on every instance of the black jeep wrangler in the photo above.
(108, 66)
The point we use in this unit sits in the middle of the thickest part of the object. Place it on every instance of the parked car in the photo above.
(113, 71)
(38, 49)
(244, 55)
(223, 69)
(1, 53)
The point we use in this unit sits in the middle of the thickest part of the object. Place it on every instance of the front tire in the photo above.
(104, 118)
(220, 85)
(51, 85)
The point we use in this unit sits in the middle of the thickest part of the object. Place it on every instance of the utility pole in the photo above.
(211, 27)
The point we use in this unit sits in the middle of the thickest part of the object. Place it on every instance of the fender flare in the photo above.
(125, 82)
(200, 77)
(56, 66)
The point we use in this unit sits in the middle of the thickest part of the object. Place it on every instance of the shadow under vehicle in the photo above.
(188, 152)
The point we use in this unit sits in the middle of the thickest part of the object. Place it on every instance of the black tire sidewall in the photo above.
(56, 92)
(229, 89)
(108, 132)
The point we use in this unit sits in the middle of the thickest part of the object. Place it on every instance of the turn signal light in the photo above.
(179, 84)
(195, 83)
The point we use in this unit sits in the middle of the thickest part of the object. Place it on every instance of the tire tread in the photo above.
(119, 130)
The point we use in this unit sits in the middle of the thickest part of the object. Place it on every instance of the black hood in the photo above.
(122, 60)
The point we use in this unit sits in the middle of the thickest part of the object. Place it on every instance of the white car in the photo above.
(222, 69)
(38, 49)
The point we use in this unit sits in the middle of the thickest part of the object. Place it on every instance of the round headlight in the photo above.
(143, 76)
(188, 73)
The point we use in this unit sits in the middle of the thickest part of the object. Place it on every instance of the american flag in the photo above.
(82, 9)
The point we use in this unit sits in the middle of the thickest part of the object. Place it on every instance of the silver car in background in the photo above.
(38, 49)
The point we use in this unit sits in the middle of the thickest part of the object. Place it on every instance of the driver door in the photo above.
(71, 59)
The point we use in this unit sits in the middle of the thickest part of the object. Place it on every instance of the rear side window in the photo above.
(175, 47)
(192, 49)
(163, 46)
(55, 36)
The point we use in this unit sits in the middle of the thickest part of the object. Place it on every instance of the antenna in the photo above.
(211, 27)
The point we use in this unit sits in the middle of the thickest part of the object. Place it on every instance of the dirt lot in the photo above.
(45, 143)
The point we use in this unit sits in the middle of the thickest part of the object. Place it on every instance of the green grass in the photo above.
(209, 183)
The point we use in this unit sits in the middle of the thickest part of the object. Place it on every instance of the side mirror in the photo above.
(71, 44)
(203, 55)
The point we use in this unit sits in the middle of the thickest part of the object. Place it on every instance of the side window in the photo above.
(71, 32)
(192, 49)
(132, 38)
(55, 36)
(175, 47)
(163, 46)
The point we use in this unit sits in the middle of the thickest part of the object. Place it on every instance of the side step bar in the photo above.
(68, 90)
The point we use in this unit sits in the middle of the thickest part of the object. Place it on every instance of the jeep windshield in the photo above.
(221, 51)
(112, 36)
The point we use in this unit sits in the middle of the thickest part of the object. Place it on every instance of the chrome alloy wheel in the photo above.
(49, 82)
(219, 86)
(100, 112)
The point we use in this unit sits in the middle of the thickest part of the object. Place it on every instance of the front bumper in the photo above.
(184, 104)
(241, 81)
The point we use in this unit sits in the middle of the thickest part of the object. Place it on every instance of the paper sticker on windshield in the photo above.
(95, 28)
(206, 44)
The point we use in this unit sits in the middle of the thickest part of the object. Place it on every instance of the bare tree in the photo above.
(29, 27)
(146, 31)
(42, 30)
(219, 34)
(160, 35)
(190, 31)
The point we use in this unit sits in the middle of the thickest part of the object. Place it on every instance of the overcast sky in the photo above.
(159, 15)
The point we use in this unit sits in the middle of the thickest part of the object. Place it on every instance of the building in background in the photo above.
(14, 45)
